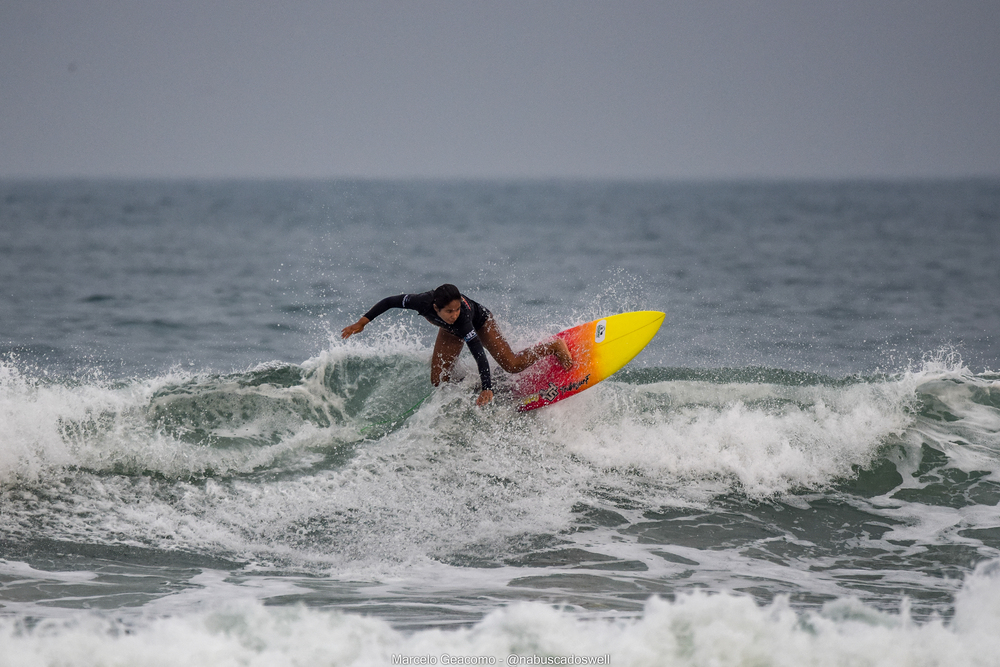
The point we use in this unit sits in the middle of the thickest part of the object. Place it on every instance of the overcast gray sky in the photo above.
(674, 90)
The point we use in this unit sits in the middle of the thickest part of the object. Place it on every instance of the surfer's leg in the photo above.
(499, 348)
(446, 351)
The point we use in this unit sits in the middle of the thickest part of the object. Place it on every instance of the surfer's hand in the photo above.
(485, 396)
(352, 329)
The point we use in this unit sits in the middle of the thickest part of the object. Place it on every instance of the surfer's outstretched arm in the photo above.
(385, 304)
(352, 329)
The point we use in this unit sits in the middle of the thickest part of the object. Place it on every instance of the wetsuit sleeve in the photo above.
(384, 305)
(479, 352)
(464, 329)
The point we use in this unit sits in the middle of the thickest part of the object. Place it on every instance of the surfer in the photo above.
(462, 320)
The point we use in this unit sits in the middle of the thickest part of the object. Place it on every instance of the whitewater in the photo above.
(802, 468)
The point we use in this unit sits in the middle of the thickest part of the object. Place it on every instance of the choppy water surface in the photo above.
(806, 458)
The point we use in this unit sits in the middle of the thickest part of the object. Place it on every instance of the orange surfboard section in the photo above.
(599, 348)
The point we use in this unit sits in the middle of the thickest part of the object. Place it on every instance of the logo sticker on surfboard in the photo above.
(599, 332)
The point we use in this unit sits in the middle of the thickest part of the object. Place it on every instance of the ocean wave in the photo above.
(761, 431)
(696, 628)
(349, 458)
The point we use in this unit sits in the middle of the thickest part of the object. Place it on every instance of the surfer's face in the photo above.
(450, 312)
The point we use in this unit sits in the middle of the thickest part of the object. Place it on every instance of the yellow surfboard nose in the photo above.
(624, 337)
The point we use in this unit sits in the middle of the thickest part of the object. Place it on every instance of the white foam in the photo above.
(696, 629)
(452, 479)
(32, 415)
(97, 425)
(764, 438)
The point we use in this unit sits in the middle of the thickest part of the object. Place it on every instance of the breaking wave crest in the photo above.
(349, 457)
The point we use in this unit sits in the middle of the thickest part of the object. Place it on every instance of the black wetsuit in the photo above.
(472, 316)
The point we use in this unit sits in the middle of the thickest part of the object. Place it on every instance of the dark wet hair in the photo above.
(445, 294)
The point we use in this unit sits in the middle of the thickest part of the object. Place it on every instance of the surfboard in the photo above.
(599, 348)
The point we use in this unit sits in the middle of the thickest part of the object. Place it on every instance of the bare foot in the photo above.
(560, 349)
